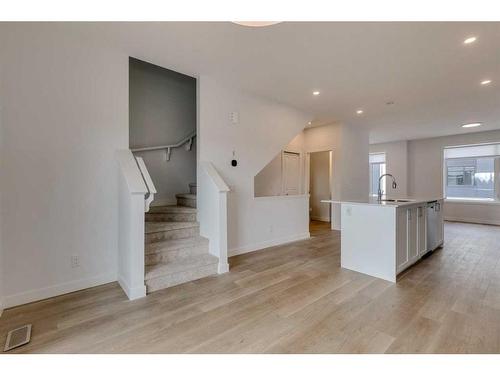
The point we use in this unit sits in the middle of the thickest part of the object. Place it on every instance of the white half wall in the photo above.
(64, 114)
(264, 128)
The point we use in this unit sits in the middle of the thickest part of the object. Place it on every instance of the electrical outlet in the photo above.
(75, 261)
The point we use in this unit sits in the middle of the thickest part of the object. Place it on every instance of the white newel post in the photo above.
(212, 212)
(132, 194)
(223, 263)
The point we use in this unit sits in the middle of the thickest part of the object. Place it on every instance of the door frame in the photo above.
(307, 175)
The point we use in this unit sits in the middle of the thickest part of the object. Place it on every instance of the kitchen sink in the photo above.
(397, 200)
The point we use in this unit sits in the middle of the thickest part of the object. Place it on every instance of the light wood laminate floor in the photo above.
(293, 298)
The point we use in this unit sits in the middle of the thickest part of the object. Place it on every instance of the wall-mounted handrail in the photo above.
(188, 141)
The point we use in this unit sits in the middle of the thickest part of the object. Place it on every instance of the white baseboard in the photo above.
(472, 220)
(56, 290)
(132, 293)
(263, 245)
(321, 218)
(223, 268)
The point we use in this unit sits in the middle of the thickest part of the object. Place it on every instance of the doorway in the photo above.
(320, 187)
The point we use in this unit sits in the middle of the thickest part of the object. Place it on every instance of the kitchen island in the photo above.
(383, 238)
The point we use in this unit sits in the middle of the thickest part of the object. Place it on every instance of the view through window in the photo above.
(377, 169)
(470, 172)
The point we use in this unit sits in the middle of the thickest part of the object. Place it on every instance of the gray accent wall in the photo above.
(162, 110)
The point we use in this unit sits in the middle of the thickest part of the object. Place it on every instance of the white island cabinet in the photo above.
(382, 239)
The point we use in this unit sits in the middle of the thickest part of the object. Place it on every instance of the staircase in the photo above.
(175, 253)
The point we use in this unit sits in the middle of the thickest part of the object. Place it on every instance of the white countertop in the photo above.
(374, 201)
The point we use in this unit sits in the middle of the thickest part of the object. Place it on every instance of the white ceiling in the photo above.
(432, 77)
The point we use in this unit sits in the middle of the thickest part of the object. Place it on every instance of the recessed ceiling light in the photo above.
(315, 93)
(472, 125)
(359, 111)
(486, 82)
(470, 40)
(256, 23)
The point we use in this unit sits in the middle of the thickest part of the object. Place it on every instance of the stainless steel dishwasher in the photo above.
(433, 225)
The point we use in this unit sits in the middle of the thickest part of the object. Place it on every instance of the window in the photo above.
(377, 169)
(470, 172)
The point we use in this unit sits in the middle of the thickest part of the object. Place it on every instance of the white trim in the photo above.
(321, 218)
(266, 244)
(56, 290)
(222, 267)
(472, 220)
(215, 177)
(132, 293)
(472, 201)
(131, 172)
(273, 197)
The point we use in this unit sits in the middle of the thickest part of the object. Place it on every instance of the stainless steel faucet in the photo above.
(394, 185)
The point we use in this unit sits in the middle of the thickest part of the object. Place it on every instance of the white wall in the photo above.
(350, 161)
(64, 113)
(264, 128)
(425, 160)
(319, 186)
(396, 154)
(163, 111)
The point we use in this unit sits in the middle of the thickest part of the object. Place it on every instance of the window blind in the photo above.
(377, 158)
(474, 151)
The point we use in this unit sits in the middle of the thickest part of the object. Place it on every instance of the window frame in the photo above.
(384, 182)
(496, 176)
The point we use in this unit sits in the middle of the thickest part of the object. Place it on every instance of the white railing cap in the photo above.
(131, 172)
(216, 178)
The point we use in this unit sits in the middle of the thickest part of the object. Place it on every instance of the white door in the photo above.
(291, 173)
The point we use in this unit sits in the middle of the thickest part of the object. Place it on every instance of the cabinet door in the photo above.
(412, 233)
(422, 230)
(402, 239)
(440, 227)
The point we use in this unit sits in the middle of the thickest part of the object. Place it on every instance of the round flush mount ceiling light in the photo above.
(472, 125)
(256, 23)
(470, 40)
(359, 112)
(486, 82)
(315, 93)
